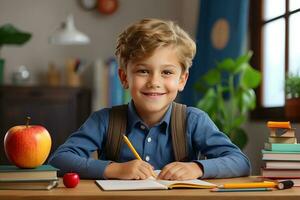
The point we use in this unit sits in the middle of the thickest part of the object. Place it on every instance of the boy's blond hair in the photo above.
(140, 40)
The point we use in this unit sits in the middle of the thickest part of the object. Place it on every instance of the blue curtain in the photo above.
(218, 19)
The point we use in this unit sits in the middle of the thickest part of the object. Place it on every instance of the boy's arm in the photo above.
(74, 154)
(224, 159)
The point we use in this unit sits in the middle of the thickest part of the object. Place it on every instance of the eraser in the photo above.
(285, 184)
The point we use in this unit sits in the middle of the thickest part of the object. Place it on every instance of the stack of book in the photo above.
(41, 178)
(281, 153)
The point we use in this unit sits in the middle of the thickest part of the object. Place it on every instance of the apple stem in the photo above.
(27, 121)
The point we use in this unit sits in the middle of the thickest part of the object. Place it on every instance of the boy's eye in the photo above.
(167, 72)
(142, 71)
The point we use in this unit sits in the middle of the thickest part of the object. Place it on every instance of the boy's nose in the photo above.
(153, 82)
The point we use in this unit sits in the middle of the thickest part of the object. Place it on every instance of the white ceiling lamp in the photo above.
(67, 34)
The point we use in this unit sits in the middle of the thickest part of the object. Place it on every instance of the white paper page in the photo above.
(130, 185)
(192, 182)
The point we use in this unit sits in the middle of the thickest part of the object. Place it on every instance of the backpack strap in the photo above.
(116, 127)
(178, 130)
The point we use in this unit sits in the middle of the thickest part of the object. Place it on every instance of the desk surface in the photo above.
(87, 189)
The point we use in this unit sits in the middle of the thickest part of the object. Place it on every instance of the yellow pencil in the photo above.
(126, 140)
(265, 184)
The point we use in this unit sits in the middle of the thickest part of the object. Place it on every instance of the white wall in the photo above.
(41, 17)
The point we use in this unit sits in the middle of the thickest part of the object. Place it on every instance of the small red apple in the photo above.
(71, 180)
(27, 146)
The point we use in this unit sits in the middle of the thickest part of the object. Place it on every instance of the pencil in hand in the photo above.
(132, 149)
(135, 153)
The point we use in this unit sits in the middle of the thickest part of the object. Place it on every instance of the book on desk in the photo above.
(152, 184)
(33, 184)
(12, 172)
(281, 153)
(41, 178)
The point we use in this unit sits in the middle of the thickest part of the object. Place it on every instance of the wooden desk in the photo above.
(88, 190)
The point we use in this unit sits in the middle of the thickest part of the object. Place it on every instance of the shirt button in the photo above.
(149, 139)
(147, 158)
(143, 127)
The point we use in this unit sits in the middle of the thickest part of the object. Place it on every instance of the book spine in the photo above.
(115, 87)
(280, 173)
(282, 132)
(98, 93)
(282, 147)
(126, 97)
(285, 140)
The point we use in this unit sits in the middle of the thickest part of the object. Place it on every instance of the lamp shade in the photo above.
(67, 34)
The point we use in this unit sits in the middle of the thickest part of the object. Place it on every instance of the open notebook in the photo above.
(152, 184)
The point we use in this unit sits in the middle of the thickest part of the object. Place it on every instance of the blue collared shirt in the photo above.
(154, 144)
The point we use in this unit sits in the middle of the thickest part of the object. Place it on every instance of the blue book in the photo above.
(115, 91)
(13, 173)
(282, 147)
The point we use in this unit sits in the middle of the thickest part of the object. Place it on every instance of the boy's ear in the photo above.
(182, 81)
(123, 78)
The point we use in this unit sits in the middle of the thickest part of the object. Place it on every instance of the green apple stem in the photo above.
(27, 121)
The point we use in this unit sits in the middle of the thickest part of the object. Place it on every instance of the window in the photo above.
(274, 38)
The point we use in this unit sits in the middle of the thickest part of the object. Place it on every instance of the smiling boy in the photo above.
(154, 57)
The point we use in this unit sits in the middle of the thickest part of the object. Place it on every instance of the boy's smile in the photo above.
(154, 83)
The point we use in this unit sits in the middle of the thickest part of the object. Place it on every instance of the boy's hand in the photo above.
(134, 169)
(180, 171)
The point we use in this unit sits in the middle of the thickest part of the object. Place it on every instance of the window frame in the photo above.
(256, 23)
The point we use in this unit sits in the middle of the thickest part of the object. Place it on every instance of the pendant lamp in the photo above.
(67, 34)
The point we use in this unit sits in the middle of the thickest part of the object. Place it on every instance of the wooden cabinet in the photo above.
(61, 110)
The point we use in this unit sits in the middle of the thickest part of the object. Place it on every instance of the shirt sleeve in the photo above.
(223, 159)
(74, 154)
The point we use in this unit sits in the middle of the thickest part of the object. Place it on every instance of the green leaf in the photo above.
(244, 59)
(246, 100)
(200, 87)
(212, 77)
(209, 101)
(238, 121)
(242, 62)
(10, 35)
(292, 86)
(227, 65)
(239, 138)
(250, 78)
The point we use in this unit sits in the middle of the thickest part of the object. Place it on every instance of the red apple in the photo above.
(71, 180)
(27, 146)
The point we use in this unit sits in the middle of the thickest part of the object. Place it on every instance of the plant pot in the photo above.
(1, 71)
(292, 109)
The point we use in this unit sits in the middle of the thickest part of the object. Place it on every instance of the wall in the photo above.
(42, 17)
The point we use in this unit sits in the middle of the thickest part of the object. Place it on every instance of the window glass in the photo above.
(294, 44)
(273, 62)
(273, 8)
(294, 4)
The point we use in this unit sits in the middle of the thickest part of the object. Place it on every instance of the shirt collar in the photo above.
(134, 119)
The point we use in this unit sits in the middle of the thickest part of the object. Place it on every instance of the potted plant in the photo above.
(228, 95)
(292, 94)
(9, 35)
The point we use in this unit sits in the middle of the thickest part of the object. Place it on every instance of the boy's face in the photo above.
(155, 81)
